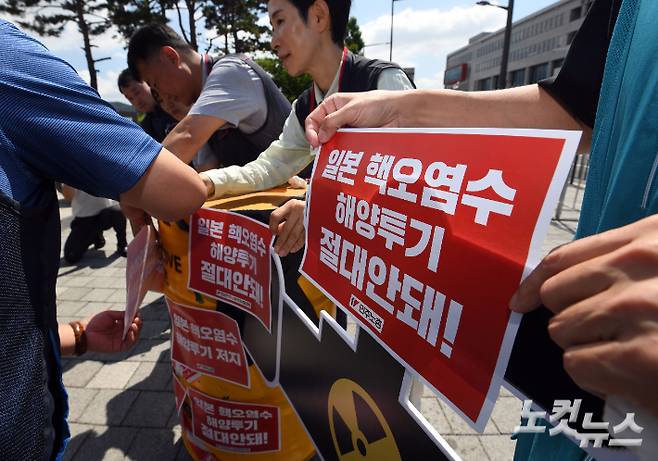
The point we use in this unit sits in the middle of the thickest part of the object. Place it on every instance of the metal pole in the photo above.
(390, 49)
(502, 79)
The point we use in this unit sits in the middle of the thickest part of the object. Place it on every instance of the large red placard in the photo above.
(425, 236)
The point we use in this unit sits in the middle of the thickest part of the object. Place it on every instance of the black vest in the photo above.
(32, 424)
(359, 74)
(234, 147)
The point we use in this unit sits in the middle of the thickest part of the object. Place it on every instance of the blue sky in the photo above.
(425, 31)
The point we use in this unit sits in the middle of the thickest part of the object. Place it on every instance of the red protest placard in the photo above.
(144, 272)
(229, 258)
(235, 426)
(208, 342)
(425, 236)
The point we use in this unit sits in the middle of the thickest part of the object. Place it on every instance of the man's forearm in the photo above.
(190, 134)
(181, 144)
(523, 107)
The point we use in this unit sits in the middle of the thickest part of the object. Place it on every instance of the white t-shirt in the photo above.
(84, 205)
(232, 92)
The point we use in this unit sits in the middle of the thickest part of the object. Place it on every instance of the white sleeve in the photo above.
(283, 159)
(394, 79)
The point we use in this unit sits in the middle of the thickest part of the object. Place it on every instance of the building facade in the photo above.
(538, 46)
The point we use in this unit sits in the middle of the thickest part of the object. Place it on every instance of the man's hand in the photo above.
(287, 223)
(105, 331)
(604, 292)
(137, 217)
(373, 109)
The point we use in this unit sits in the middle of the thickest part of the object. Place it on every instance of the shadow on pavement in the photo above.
(93, 259)
(140, 419)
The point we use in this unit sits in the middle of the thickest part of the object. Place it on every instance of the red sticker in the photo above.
(235, 426)
(208, 342)
(230, 260)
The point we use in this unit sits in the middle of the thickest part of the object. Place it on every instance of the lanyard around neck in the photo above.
(341, 71)
(206, 64)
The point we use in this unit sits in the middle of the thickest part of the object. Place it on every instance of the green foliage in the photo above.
(354, 40)
(290, 86)
(130, 15)
(235, 23)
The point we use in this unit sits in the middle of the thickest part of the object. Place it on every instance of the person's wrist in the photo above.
(210, 186)
(80, 335)
(405, 105)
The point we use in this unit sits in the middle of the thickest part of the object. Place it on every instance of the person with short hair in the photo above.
(308, 37)
(155, 121)
(234, 105)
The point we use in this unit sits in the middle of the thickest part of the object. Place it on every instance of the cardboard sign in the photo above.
(144, 272)
(423, 236)
(208, 342)
(229, 258)
(235, 426)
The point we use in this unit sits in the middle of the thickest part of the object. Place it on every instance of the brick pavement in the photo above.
(122, 407)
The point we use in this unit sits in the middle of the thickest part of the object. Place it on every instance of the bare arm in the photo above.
(168, 190)
(190, 134)
(102, 332)
(523, 107)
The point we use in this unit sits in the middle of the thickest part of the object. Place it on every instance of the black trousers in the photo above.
(84, 232)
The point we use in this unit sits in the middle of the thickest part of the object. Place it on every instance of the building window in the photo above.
(556, 66)
(538, 72)
(575, 14)
(571, 36)
(517, 77)
(484, 84)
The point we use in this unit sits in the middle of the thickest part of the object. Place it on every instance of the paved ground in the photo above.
(122, 407)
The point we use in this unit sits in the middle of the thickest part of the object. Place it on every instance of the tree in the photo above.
(236, 22)
(290, 86)
(354, 40)
(50, 17)
(130, 15)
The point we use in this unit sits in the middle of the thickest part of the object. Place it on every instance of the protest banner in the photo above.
(208, 342)
(424, 235)
(234, 425)
(230, 260)
(260, 344)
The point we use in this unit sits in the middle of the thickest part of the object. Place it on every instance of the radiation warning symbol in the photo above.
(358, 427)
